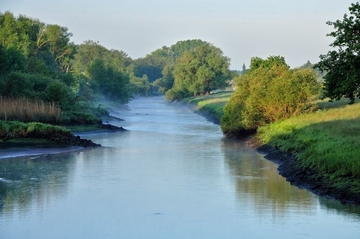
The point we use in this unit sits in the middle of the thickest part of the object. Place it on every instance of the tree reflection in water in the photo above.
(28, 179)
(258, 182)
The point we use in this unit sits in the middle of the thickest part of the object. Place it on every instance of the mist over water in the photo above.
(171, 175)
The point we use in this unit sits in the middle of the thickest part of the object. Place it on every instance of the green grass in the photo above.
(213, 104)
(16, 129)
(327, 140)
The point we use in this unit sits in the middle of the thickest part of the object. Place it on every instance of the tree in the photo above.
(342, 65)
(166, 82)
(163, 63)
(269, 92)
(257, 62)
(56, 40)
(200, 70)
(243, 69)
(140, 86)
(109, 81)
(89, 51)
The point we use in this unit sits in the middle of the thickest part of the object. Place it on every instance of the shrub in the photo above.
(267, 94)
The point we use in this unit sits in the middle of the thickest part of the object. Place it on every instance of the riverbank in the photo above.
(210, 106)
(318, 151)
(33, 138)
(340, 187)
(17, 134)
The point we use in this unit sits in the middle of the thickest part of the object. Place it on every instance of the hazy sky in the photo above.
(295, 29)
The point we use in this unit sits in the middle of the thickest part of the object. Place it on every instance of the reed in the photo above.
(26, 110)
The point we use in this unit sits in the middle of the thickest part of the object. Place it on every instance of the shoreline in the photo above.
(288, 167)
(307, 178)
(56, 144)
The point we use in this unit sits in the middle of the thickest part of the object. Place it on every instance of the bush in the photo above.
(268, 94)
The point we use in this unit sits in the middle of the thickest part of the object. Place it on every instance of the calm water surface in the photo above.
(172, 175)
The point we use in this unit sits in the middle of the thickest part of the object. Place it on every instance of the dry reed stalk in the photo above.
(26, 110)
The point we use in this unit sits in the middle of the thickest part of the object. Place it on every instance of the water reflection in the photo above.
(258, 183)
(33, 181)
(333, 206)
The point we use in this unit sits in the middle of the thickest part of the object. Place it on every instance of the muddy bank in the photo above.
(53, 141)
(345, 189)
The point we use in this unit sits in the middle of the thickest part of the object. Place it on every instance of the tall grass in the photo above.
(25, 110)
(327, 140)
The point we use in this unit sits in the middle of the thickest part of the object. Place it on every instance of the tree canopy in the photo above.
(199, 71)
(342, 65)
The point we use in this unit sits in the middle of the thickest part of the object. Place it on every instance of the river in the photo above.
(171, 175)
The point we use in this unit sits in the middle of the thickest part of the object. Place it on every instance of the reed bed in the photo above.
(26, 110)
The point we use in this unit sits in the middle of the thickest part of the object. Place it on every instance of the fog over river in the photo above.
(171, 175)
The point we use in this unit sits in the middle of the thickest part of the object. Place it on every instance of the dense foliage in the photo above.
(270, 91)
(38, 62)
(199, 71)
(342, 65)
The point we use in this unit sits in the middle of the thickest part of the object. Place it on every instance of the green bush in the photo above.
(267, 94)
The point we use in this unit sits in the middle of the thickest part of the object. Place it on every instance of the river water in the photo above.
(172, 175)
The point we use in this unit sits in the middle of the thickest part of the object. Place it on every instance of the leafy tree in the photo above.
(56, 40)
(11, 59)
(156, 65)
(266, 94)
(19, 33)
(59, 93)
(199, 71)
(257, 62)
(151, 66)
(89, 51)
(166, 82)
(342, 65)
(140, 86)
(109, 81)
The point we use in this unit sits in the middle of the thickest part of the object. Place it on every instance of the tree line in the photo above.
(38, 61)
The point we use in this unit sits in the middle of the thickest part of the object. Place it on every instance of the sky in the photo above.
(242, 29)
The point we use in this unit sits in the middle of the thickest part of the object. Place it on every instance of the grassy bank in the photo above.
(327, 141)
(212, 104)
(15, 133)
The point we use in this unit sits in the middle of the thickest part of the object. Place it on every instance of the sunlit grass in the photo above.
(213, 104)
(327, 140)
